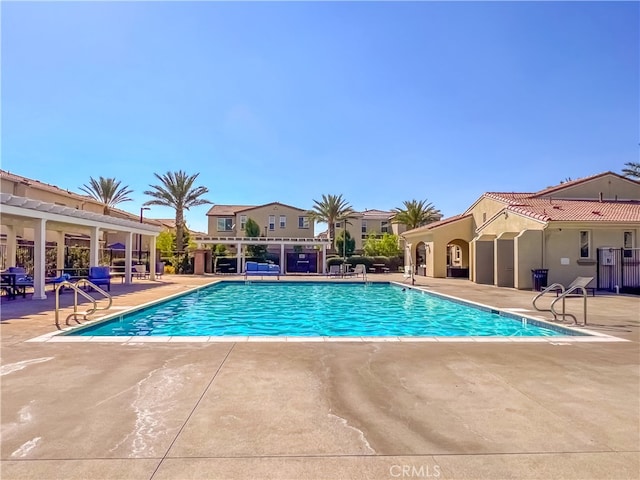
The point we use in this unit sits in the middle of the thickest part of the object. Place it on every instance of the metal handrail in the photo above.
(555, 286)
(77, 290)
(563, 296)
(88, 283)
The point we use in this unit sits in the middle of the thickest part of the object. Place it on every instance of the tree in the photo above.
(415, 214)
(252, 230)
(165, 242)
(632, 170)
(345, 248)
(331, 209)
(107, 191)
(177, 191)
(385, 245)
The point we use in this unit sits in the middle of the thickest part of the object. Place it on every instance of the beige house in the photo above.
(287, 233)
(571, 230)
(275, 220)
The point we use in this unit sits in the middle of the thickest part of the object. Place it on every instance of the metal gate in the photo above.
(619, 269)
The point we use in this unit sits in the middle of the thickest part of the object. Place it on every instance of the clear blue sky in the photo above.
(379, 101)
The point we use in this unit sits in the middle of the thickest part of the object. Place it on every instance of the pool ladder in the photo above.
(77, 290)
(563, 296)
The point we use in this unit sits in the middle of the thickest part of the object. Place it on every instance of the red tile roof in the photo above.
(439, 223)
(577, 210)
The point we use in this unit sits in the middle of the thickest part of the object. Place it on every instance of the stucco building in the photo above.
(572, 229)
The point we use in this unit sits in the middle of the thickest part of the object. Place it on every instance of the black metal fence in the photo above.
(619, 269)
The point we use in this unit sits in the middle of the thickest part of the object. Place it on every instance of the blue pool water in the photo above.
(302, 309)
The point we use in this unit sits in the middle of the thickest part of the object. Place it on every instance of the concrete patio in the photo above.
(329, 410)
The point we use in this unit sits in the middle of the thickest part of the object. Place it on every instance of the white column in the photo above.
(94, 247)
(152, 258)
(324, 258)
(282, 259)
(39, 243)
(11, 246)
(60, 250)
(238, 258)
(128, 257)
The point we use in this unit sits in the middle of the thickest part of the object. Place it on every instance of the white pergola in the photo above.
(279, 241)
(16, 212)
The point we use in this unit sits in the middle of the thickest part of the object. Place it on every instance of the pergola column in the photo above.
(282, 259)
(94, 247)
(39, 243)
(152, 258)
(238, 258)
(324, 258)
(60, 250)
(11, 246)
(128, 257)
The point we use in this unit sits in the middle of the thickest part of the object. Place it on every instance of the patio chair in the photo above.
(334, 271)
(577, 283)
(360, 269)
(100, 276)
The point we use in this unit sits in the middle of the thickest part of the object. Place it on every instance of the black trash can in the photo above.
(539, 276)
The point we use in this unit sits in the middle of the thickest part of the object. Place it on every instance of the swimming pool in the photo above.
(318, 309)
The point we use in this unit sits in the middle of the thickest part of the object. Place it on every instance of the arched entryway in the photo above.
(458, 259)
(421, 259)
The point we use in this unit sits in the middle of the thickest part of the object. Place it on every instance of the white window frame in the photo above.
(384, 226)
(226, 221)
(243, 222)
(303, 222)
(283, 221)
(580, 244)
(272, 223)
(364, 226)
(628, 234)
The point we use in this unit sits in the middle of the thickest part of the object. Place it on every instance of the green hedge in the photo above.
(392, 263)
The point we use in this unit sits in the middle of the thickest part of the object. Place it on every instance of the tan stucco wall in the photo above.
(484, 209)
(564, 242)
(509, 222)
(609, 185)
(528, 256)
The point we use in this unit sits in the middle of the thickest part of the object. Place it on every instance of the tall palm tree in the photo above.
(415, 214)
(177, 191)
(633, 169)
(107, 191)
(330, 209)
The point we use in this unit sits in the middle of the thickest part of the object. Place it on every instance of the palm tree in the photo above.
(415, 214)
(633, 169)
(331, 209)
(107, 191)
(177, 191)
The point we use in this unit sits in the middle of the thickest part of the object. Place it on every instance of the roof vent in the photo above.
(557, 207)
(596, 212)
(600, 197)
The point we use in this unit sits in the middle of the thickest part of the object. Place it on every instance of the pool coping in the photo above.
(582, 334)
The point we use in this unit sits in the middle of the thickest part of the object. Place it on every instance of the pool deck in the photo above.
(320, 410)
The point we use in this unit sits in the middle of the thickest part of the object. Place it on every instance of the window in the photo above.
(243, 221)
(283, 221)
(338, 224)
(272, 223)
(585, 244)
(225, 224)
(364, 226)
(303, 222)
(384, 226)
(627, 239)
